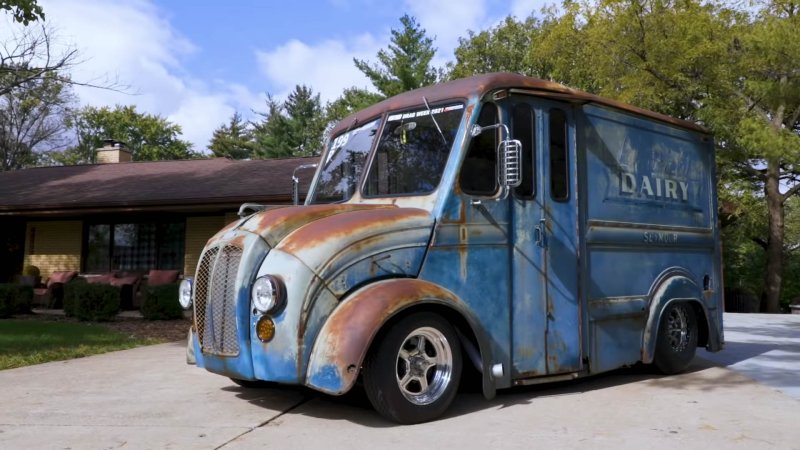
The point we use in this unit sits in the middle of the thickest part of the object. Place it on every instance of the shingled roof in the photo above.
(173, 185)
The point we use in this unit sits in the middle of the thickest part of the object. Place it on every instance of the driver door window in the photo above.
(479, 170)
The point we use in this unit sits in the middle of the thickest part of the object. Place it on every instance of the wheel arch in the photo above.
(359, 321)
(673, 285)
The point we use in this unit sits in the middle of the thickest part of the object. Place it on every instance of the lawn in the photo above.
(27, 342)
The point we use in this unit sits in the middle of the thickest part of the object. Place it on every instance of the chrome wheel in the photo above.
(678, 328)
(411, 374)
(424, 366)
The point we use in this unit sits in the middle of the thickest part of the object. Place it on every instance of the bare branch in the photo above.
(29, 55)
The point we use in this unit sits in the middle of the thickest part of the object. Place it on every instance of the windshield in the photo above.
(412, 151)
(344, 163)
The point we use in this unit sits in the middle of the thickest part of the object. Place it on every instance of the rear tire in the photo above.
(677, 338)
(412, 374)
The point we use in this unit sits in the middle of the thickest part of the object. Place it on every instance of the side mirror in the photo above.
(509, 163)
(296, 182)
(509, 156)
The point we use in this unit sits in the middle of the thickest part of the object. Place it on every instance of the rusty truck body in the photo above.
(500, 224)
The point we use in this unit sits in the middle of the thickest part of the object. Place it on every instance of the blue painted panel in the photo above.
(529, 303)
(619, 272)
(645, 172)
(648, 207)
(471, 259)
(561, 242)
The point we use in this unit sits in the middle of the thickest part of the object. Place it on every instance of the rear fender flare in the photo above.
(673, 285)
(346, 336)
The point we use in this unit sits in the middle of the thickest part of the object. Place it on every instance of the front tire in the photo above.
(412, 375)
(677, 338)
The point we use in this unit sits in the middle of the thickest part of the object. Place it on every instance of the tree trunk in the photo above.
(773, 278)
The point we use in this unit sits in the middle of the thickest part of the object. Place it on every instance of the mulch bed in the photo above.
(161, 330)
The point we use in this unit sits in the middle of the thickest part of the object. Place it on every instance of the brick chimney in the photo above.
(113, 152)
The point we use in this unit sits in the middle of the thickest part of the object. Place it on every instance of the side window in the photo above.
(479, 172)
(559, 167)
(523, 129)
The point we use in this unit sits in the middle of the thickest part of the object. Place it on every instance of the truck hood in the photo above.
(275, 224)
(345, 243)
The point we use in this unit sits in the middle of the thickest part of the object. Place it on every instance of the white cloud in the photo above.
(327, 67)
(130, 42)
(447, 21)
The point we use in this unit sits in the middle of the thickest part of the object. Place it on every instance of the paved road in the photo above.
(148, 398)
(763, 347)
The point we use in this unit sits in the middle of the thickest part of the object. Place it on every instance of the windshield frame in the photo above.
(463, 105)
(326, 156)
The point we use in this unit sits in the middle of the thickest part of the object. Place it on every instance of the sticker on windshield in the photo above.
(337, 143)
(424, 112)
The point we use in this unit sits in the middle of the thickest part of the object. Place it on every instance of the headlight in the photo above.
(185, 293)
(267, 294)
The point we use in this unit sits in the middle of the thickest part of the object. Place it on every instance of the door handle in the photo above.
(540, 233)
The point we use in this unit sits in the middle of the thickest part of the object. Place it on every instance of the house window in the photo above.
(134, 246)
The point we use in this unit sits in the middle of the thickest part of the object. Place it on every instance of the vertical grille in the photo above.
(215, 300)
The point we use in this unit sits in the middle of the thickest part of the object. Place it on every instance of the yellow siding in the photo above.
(198, 231)
(53, 246)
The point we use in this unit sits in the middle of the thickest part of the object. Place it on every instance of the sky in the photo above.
(197, 62)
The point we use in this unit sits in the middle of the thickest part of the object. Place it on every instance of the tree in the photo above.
(23, 11)
(406, 64)
(32, 117)
(271, 134)
(553, 48)
(148, 137)
(761, 123)
(504, 48)
(306, 121)
(352, 99)
(291, 128)
(234, 140)
(29, 54)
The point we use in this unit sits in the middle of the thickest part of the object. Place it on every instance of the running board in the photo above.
(547, 379)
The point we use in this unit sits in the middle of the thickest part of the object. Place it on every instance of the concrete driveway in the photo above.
(148, 398)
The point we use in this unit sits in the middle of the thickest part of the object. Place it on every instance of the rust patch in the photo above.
(275, 224)
(352, 326)
(340, 226)
(468, 112)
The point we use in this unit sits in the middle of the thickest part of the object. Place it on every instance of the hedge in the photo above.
(91, 302)
(15, 299)
(161, 303)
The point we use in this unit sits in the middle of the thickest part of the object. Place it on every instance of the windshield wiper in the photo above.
(430, 113)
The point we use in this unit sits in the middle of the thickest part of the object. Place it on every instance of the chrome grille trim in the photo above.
(215, 300)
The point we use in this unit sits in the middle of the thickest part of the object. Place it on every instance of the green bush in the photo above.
(161, 303)
(15, 299)
(91, 302)
(31, 271)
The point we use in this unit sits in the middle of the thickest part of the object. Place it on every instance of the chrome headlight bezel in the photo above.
(268, 294)
(185, 293)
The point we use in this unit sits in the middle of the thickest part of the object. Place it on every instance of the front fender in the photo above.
(345, 338)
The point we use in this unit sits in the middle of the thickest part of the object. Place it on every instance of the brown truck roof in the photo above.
(481, 85)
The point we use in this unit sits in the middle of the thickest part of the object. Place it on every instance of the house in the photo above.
(120, 215)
